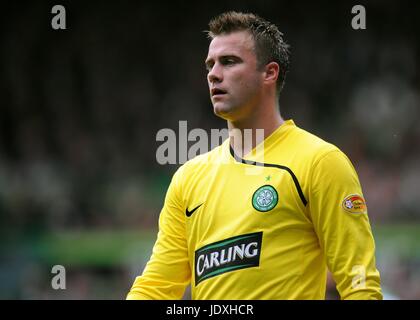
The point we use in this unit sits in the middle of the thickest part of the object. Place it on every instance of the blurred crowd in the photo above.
(80, 108)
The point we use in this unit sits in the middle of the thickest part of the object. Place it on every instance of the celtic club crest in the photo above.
(265, 198)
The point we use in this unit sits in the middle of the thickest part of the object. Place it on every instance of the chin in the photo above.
(222, 111)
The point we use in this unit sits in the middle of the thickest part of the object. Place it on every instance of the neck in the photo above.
(246, 134)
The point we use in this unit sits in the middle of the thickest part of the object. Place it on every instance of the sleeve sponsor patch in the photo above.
(354, 204)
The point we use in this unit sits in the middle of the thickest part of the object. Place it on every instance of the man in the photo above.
(234, 233)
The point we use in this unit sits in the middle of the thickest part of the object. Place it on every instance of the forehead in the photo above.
(236, 43)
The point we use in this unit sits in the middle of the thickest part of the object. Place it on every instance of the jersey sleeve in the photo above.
(339, 215)
(167, 273)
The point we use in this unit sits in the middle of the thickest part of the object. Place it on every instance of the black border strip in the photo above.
(255, 163)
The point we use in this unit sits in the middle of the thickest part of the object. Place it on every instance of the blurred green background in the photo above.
(80, 108)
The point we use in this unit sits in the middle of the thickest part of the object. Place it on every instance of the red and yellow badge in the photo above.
(355, 204)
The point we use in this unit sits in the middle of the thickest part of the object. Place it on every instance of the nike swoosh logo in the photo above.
(189, 213)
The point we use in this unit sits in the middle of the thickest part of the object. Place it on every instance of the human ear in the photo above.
(271, 73)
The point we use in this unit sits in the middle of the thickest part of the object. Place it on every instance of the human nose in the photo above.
(215, 74)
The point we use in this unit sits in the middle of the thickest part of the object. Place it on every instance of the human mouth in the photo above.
(217, 92)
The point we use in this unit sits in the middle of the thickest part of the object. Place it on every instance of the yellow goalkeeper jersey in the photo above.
(266, 226)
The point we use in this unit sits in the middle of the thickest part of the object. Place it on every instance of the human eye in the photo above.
(209, 65)
(228, 61)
